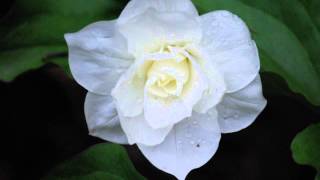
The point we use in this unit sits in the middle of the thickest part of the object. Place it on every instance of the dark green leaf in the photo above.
(16, 61)
(302, 24)
(313, 7)
(34, 24)
(102, 161)
(92, 176)
(280, 50)
(306, 146)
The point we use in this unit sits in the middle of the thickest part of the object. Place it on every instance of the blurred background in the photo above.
(42, 120)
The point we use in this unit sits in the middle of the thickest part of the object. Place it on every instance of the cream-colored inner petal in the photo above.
(167, 71)
(166, 78)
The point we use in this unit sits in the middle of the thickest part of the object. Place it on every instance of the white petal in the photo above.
(102, 118)
(128, 93)
(161, 114)
(216, 86)
(97, 56)
(239, 109)
(138, 131)
(228, 44)
(137, 7)
(151, 28)
(190, 144)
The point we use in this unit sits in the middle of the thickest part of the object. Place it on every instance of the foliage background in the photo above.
(42, 120)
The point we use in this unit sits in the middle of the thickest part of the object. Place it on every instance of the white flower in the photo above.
(168, 80)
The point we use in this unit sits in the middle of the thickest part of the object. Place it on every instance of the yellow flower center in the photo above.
(167, 70)
(167, 77)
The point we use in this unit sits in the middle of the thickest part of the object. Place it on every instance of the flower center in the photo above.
(166, 78)
(167, 75)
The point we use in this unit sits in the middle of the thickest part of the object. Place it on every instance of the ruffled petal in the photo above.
(128, 92)
(190, 144)
(228, 44)
(153, 28)
(239, 109)
(137, 7)
(102, 119)
(216, 85)
(138, 131)
(161, 114)
(97, 56)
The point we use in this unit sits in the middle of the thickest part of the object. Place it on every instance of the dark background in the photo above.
(42, 123)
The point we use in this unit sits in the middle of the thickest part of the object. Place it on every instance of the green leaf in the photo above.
(306, 147)
(102, 161)
(280, 50)
(313, 7)
(302, 24)
(14, 62)
(34, 24)
(318, 176)
(92, 176)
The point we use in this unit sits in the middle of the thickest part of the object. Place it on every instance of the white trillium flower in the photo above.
(168, 80)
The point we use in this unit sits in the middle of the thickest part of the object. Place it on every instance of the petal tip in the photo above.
(68, 38)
